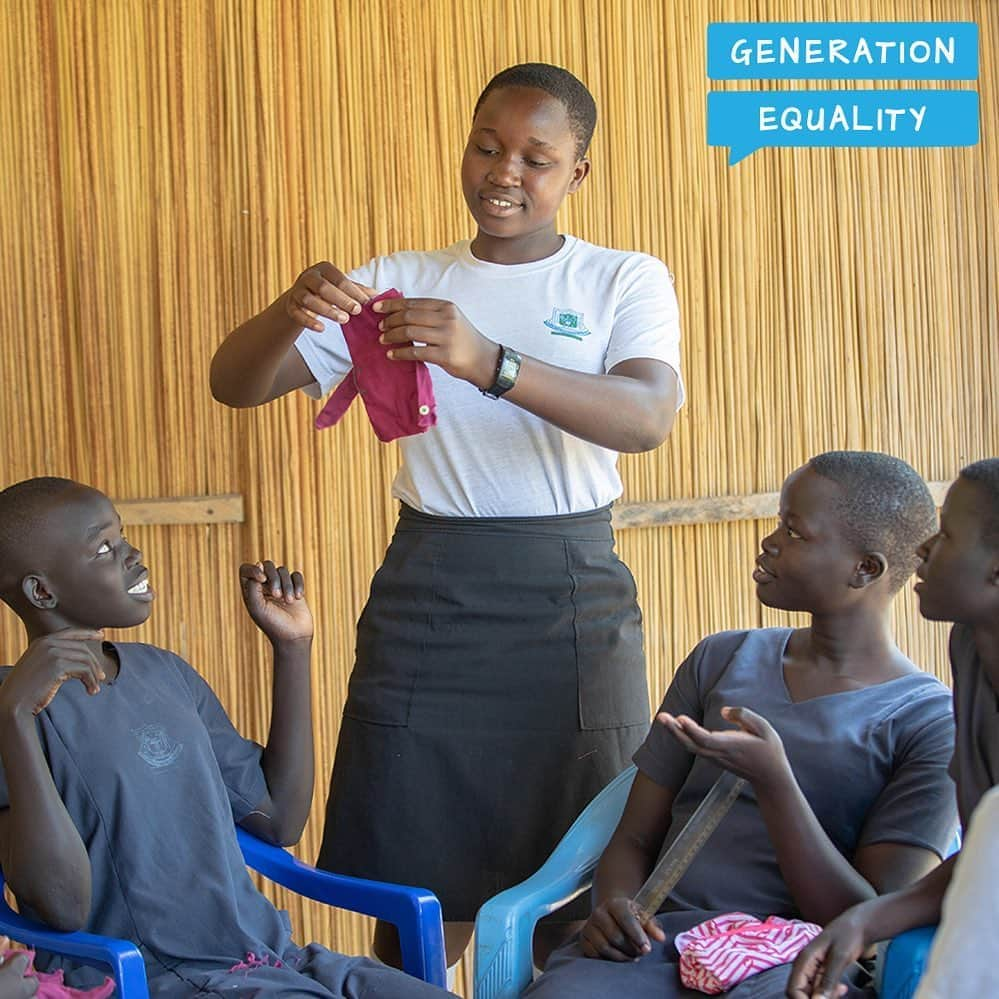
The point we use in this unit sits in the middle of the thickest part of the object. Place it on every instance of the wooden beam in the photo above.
(715, 509)
(705, 510)
(224, 509)
(227, 508)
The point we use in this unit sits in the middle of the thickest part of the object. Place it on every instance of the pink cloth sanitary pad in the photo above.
(719, 953)
(398, 395)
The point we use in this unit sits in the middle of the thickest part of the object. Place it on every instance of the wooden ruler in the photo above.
(674, 862)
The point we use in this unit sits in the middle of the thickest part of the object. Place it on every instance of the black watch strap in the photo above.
(507, 369)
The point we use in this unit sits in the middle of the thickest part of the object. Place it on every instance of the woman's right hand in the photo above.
(322, 290)
(614, 931)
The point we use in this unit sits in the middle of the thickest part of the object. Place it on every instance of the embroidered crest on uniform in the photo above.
(156, 747)
(567, 322)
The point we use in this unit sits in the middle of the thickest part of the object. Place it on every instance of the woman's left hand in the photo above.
(754, 750)
(443, 337)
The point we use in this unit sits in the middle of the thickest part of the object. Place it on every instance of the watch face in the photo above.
(508, 371)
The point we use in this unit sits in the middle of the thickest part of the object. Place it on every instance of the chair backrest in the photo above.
(505, 925)
(580, 848)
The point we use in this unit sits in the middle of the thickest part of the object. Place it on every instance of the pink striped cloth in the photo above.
(719, 953)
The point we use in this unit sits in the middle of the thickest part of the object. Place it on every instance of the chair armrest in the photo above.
(902, 961)
(122, 957)
(504, 926)
(415, 912)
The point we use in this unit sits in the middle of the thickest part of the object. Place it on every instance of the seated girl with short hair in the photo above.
(843, 741)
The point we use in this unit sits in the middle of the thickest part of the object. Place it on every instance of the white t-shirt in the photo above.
(585, 307)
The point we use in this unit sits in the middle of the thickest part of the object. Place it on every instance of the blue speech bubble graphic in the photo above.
(843, 50)
(750, 120)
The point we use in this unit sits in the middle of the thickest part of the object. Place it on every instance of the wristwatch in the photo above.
(507, 369)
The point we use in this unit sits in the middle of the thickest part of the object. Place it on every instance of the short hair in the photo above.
(886, 506)
(578, 102)
(985, 474)
(23, 512)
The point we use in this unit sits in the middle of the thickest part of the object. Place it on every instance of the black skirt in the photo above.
(499, 684)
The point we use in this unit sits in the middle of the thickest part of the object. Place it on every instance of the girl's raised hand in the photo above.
(614, 932)
(754, 750)
(323, 290)
(444, 337)
(275, 600)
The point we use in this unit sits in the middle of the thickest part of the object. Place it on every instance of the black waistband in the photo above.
(590, 525)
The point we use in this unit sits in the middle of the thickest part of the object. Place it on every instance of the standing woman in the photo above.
(500, 677)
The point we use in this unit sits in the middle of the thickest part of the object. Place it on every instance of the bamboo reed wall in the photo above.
(169, 167)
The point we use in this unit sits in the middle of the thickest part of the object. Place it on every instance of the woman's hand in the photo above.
(275, 600)
(443, 337)
(614, 932)
(323, 290)
(753, 751)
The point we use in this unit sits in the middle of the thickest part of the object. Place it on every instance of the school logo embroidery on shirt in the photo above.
(156, 747)
(566, 322)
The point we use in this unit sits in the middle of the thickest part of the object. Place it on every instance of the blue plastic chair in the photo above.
(902, 961)
(505, 925)
(415, 912)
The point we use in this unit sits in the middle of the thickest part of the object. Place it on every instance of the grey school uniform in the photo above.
(153, 774)
(871, 762)
(975, 766)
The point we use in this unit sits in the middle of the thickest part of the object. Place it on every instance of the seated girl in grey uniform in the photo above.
(959, 582)
(122, 776)
(843, 741)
